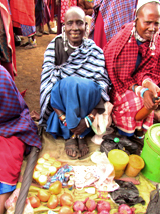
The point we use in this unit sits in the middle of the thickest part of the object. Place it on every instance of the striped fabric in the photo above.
(15, 119)
(87, 61)
(115, 14)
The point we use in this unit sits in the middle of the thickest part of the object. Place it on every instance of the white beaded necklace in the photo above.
(74, 47)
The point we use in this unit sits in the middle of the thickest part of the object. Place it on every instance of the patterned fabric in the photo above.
(115, 14)
(87, 61)
(121, 57)
(5, 51)
(14, 113)
(125, 108)
(65, 5)
(7, 22)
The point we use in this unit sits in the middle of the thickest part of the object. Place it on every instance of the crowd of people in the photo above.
(79, 77)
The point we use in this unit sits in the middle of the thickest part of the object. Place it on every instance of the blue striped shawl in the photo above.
(87, 61)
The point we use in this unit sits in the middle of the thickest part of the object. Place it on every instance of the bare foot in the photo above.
(83, 147)
(72, 148)
(35, 116)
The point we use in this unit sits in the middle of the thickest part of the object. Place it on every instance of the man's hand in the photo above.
(152, 87)
(148, 100)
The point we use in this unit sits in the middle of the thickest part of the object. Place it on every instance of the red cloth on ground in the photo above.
(23, 12)
(99, 34)
(11, 153)
(121, 57)
(7, 21)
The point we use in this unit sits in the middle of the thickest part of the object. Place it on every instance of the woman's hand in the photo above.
(80, 128)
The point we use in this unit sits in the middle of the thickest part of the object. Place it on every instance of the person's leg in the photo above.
(3, 198)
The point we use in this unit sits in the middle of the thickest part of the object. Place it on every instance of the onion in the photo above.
(103, 205)
(91, 205)
(87, 212)
(124, 209)
(78, 206)
(103, 212)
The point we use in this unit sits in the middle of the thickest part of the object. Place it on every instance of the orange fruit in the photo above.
(55, 188)
(57, 164)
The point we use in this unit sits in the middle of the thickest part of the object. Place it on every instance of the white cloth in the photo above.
(143, 2)
(103, 121)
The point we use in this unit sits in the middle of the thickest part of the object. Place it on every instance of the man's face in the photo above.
(148, 21)
(75, 28)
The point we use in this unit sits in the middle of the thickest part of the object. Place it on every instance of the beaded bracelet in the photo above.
(142, 92)
(60, 115)
(86, 121)
(92, 116)
(90, 122)
(138, 90)
(133, 87)
(63, 117)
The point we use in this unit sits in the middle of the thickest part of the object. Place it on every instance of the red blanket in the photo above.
(23, 12)
(11, 153)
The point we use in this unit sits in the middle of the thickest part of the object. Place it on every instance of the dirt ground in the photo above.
(29, 68)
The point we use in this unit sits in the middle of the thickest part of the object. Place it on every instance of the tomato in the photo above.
(35, 202)
(66, 199)
(43, 195)
(55, 188)
(53, 202)
(65, 210)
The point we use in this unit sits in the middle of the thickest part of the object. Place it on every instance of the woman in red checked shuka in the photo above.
(132, 61)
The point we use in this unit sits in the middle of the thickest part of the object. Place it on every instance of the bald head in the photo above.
(147, 5)
(74, 10)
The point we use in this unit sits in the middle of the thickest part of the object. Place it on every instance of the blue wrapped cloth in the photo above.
(76, 97)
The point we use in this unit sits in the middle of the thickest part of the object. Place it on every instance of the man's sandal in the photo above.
(71, 144)
(82, 145)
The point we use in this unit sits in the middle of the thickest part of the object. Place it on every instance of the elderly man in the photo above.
(132, 62)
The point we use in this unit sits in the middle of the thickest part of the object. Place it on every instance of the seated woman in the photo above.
(18, 133)
(73, 81)
(132, 62)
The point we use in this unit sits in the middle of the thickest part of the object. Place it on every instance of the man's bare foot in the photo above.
(83, 147)
(72, 148)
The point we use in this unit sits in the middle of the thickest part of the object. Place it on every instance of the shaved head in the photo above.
(73, 10)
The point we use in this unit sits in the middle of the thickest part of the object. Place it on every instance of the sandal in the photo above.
(71, 144)
(83, 147)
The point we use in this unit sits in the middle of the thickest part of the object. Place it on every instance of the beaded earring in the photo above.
(132, 32)
(87, 31)
(64, 37)
(152, 44)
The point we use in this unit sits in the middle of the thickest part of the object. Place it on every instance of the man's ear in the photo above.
(135, 21)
